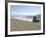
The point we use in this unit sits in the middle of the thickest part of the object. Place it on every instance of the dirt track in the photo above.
(18, 25)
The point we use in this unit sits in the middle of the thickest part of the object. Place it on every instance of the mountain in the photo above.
(37, 16)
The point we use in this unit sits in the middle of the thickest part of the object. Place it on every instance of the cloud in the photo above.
(25, 13)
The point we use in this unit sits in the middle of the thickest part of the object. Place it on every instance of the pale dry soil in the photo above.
(19, 25)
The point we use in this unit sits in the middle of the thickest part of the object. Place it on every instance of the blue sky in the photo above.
(19, 10)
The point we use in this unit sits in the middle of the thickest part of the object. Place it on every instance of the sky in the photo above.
(20, 10)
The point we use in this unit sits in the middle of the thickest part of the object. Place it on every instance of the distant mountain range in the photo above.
(38, 16)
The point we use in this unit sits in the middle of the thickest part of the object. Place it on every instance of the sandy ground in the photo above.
(19, 25)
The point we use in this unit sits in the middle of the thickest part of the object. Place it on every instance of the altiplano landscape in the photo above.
(19, 25)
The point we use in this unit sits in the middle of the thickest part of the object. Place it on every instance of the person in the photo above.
(34, 18)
